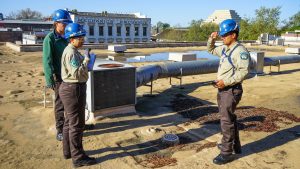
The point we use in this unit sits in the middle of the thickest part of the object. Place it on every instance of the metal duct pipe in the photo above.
(147, 73)
(273, 61)
(191, 68)
(150, 73)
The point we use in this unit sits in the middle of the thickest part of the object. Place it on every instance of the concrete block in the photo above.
(179, 57)
(13, 46)
(257, 62)
(292, 50)
(279, 41)
(117, 48)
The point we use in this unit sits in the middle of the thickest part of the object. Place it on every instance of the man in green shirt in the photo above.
(233, 69)
(53, 47)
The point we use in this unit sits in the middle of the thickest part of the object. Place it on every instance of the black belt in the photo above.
(236, 86)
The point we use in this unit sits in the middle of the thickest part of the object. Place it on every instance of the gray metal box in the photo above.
(257, 62)
(111, 90)
(179, 57)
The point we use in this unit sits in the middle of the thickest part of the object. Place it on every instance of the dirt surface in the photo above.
(27, 132)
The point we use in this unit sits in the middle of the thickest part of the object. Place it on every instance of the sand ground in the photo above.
(27, 134)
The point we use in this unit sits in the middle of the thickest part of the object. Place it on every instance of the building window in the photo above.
(91, 30)
(118, 30)
(127, 31)
(101, 30)
(109, 30)
(144, 31)
(136, 31)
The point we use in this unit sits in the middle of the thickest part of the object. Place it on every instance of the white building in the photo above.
(34, 37)
(220, 15)
(114, 28)
(291, 38)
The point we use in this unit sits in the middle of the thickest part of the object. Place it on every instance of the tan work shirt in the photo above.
(234, 62)
(73, 67)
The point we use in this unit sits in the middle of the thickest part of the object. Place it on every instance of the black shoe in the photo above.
(59, 137)
(85, 162)
(235, 150)
(223, 159)
(66, 157)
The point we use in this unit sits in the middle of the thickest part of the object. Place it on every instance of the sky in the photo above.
(174, 12)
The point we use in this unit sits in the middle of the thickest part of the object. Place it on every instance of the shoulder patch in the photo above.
(74, 62)
(244, 55)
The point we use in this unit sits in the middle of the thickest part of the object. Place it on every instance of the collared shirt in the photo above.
(234, 62)
(57, 36)
(73, 69)
(53, 47)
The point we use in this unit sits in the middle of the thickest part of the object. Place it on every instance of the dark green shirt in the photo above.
(53, 48)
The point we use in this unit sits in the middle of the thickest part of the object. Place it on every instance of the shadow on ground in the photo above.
(160, 104)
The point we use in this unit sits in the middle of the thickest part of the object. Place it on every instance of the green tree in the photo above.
(295, 20)
(200, 31)
(196, 22)
(248, 30)
(172, 34)
(293, 23)
(162, 26)
(267, 20)
(74, 11)
(193, 33)
(165, 26)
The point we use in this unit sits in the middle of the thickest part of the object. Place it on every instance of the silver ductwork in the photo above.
(274, 61)
(150, 73)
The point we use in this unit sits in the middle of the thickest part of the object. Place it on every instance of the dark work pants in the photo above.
(58, 109)
(228, 98)
(73, 96)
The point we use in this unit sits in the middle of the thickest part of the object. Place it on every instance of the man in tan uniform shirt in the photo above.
(74, 72)
(74, 66)
(233, 68)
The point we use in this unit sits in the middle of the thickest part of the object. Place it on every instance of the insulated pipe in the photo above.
(147, 73)
(273, 61)
(190, 68)
(150, 73)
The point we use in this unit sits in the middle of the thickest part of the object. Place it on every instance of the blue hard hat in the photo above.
(61, 15)
(74, 30)
(227, 26)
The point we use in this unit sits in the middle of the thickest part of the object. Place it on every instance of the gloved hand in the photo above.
(52, 86)
(87, 55)
(87, 52)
